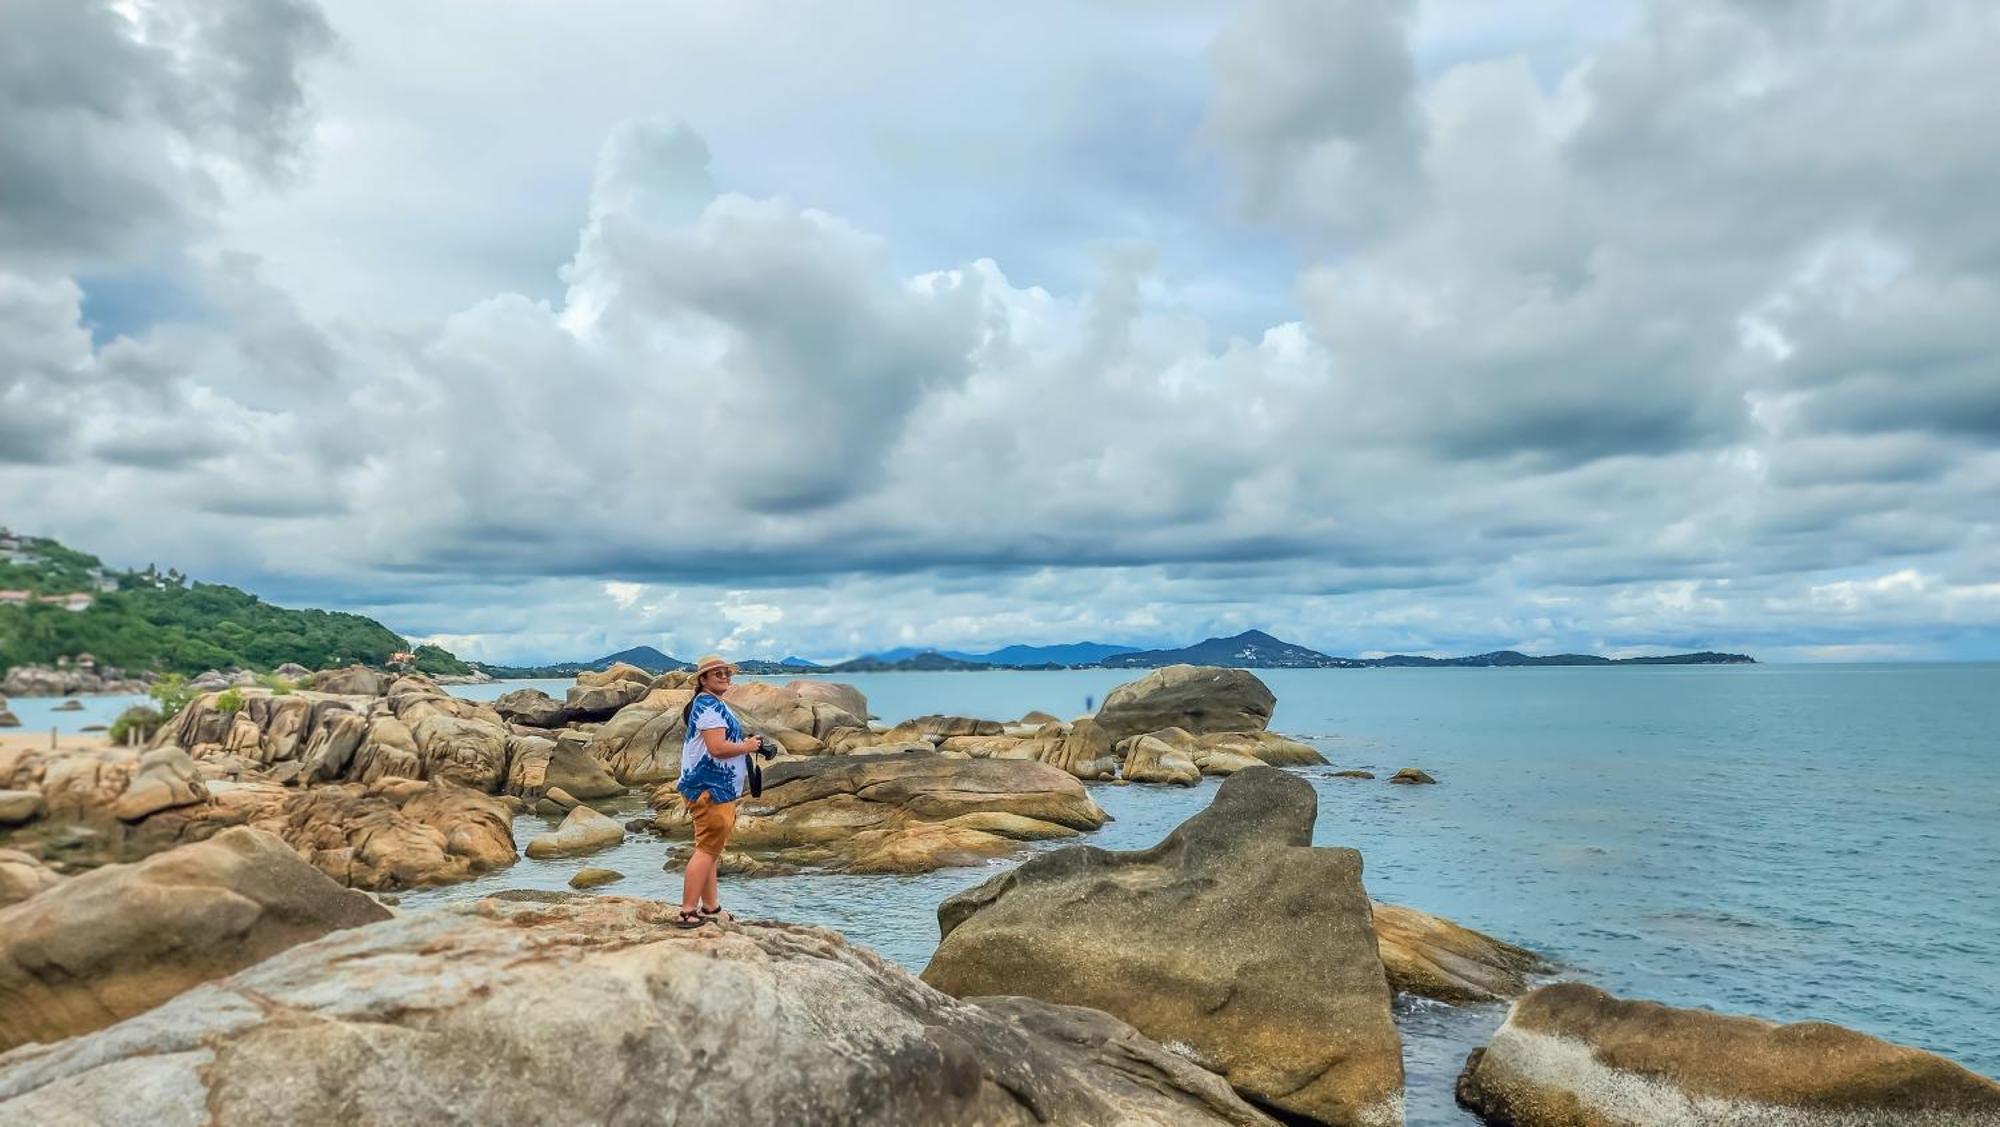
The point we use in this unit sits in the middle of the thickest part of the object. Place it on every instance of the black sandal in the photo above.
(717, 913)
(689, 918)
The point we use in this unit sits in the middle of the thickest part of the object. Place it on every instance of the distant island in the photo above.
(1252, 649)
(58, 603)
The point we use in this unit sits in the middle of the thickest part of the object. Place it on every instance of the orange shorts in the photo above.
(712, 823)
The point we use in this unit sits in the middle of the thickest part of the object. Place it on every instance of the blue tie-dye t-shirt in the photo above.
(723, 779)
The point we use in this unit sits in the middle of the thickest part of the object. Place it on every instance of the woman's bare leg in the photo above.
(697, 881)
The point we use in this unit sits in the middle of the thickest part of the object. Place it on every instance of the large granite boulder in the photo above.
(166, 778)
(596, 1010)
(532, 707)
(1571, 1055)
(602, 700)
(1432, 957)
(908, 813)
(1147, 759)
(582, 831)
(1225, 753)
(7, 717)
(640, 745)
(845, 697)
(619, 671)
(398, 833)
(17, 806)
(1197, 698)
(575, 771)
(354, 680)
(1234, 935)
(23, 875)
(111, 943)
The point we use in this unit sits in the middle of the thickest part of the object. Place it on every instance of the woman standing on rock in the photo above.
(714, 774)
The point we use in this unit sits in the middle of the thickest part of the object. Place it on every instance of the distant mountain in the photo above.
(1252, 649)
(645, 657)
(922, 661)
(800, 662)
(1070, 653)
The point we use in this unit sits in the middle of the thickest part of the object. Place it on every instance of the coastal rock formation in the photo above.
(621, 671)
(582, 830)
(23, 875)
(17, 806)
(1433, 957)
(531, 707)
(577, 773)
(1571, 1055)
(1234, 935)
(1225, 753)
(602, 700)
(1411, 776)
(1196, 698)
(67, 681)
(896, 813)
(118, 941)
(165, 778)
(7, 717)
(594, 1010)
(353, 681)
(396, 834)
(843, 696)
(594, 877)
(1146, 759)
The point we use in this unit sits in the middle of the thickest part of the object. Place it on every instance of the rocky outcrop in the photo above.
(398, 833)
(1433, 957)
(353, 681)
(531, 707)
(619, 671)
(576, 772)
(23, 875)
(582, 831)
(1147, 759)
(166, 778)
(17, 806)
(1571, 1055)
(641, 745)
(64, 681)
(1196, 698)
(895, 813)
(845, 697)
(7, 717)
(103, 946)
(1234, 935)
(594, 1010)
(1411, 776)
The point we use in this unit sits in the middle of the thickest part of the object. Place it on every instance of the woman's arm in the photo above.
(720, 746)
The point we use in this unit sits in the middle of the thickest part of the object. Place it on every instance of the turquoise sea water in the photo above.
(1796, 842)
(1789, 841)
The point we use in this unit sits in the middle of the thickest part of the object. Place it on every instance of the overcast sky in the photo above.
(545, 328)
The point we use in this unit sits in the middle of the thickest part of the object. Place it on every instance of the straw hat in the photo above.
(709, 664)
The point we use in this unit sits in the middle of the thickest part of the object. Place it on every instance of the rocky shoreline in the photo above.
(1232, 973)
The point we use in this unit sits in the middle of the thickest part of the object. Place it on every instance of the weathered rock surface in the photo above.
(1411, 776)
(594, 877)
(577, 773)
(532, 707)
(1571, 1055)
(1433, 957)
(1147, 759)
(1197, 698)
(641, 745)
(23, 875)
(120, 940)
(166, 778)
(845, 697)
(17, 806)
(1234, 935)
(602, 700)
(353, 681)
(596, 1010)
(582, 830)
(398, 833)
(69, 680)
(7, 717)
(619, 671)
(896, 813)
